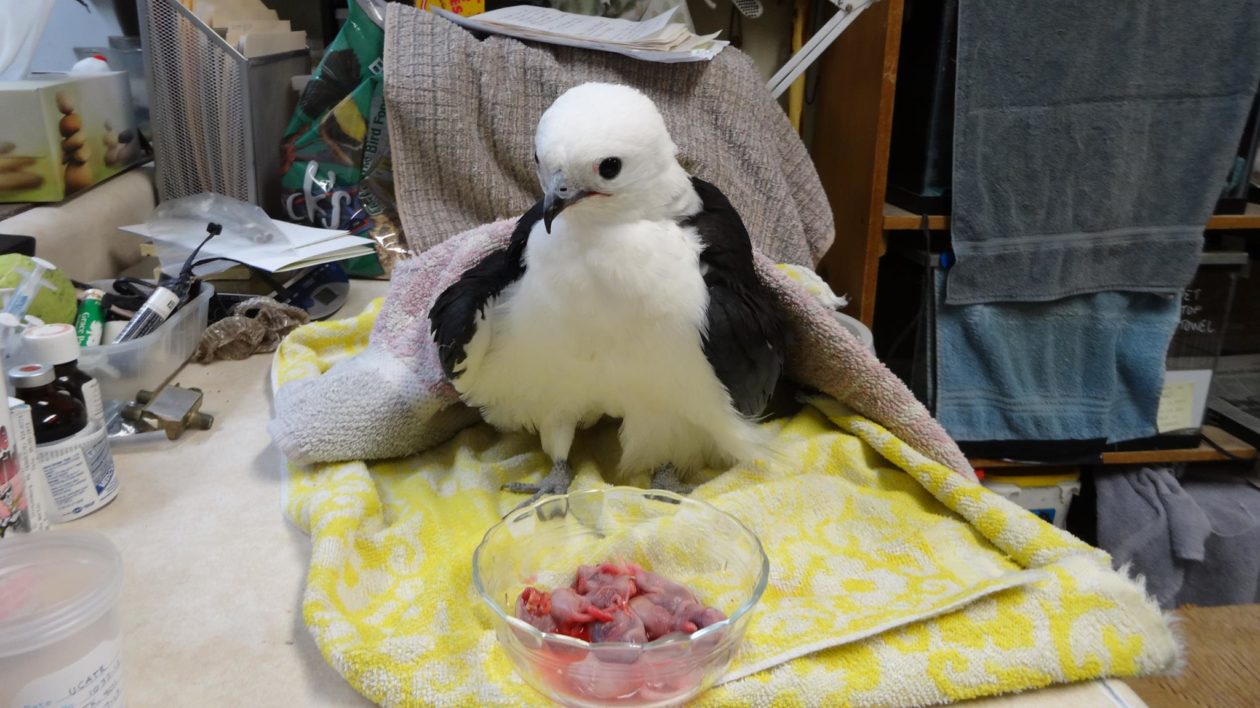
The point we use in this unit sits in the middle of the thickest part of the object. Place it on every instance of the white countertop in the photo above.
(210, 610)
(80, 234)
(211, 603)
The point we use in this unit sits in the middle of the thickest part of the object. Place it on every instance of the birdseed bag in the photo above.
(336, 147)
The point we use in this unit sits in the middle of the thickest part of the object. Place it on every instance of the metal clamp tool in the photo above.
(173, 409)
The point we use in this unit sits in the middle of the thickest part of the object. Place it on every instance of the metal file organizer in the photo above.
(218, 117)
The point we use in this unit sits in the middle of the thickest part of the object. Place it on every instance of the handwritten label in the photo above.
(1176, 407)
(95, 681)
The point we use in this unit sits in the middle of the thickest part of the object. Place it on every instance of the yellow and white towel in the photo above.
(894, 580)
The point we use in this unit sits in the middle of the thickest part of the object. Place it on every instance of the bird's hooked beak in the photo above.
(559, 196)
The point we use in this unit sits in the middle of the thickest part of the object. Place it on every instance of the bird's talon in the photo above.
(522, 488)
(666, 477)
(557, 481)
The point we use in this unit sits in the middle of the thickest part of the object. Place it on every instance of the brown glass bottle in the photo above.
(55, 413)
(58, 346)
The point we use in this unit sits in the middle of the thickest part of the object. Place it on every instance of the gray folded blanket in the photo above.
(1092, 140)
(1192, 536)
(462, 115)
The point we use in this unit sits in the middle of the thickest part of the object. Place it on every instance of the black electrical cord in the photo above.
(183, 282)
(130, 293)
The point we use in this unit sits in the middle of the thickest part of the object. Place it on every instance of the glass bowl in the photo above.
(682, 539)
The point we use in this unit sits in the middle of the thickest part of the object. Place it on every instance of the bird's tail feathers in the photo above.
(692, 447)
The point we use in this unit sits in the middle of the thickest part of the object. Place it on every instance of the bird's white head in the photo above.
(604, 155)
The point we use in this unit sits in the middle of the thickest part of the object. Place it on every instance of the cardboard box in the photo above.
(25, 501)
(61, 134)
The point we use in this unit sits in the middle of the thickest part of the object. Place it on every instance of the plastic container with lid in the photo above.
(1048, 495)
(59, 632)
(57, 345)
(56, 414)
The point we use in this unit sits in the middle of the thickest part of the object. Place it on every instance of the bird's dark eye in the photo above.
(535, 158)
(610, 167)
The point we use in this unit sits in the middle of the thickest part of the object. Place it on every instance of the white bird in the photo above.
(627, 291)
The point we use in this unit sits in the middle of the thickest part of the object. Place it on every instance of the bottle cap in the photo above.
(51, 344)
(31, 375)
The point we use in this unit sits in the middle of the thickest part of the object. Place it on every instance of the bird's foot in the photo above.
(666, 477)
(557, 481)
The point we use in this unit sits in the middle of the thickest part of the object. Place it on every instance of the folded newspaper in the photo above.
(656, 39)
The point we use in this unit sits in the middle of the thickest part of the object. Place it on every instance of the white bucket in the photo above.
(59, 642)
(1047, 496)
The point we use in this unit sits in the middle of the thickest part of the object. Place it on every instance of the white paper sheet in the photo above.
(655, 40)
(306, 247)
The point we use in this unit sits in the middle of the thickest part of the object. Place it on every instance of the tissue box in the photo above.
(61, 134)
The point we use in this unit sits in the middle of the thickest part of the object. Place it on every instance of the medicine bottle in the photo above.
(57, 345)
(56, 414)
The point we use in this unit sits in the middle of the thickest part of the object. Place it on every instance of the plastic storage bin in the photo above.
(1195, 350)
(1046, 495)
(148, 362)
(59, 628)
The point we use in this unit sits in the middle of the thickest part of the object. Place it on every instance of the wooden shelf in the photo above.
(1249, 219)
(1235, 449)
(898, 219)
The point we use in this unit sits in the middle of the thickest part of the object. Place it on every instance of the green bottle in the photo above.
(91, 320)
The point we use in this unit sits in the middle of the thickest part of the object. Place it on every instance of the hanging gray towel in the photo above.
(1091, 141)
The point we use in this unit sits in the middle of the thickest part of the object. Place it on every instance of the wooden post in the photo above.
(856, 82)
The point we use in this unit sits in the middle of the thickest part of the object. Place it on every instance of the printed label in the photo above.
(95, 681)
(38, 506)
(92, 399)
(80, 473)
(163, 302)
(14, 493)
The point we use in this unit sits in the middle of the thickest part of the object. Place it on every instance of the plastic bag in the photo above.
(177, 226)
(376, 193)
(338, 137)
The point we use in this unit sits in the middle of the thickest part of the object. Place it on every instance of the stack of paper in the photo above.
(250, 27)
(656, 39)
(301, 247)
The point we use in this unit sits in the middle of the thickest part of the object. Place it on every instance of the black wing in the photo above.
(746, 338)
(453, 319)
